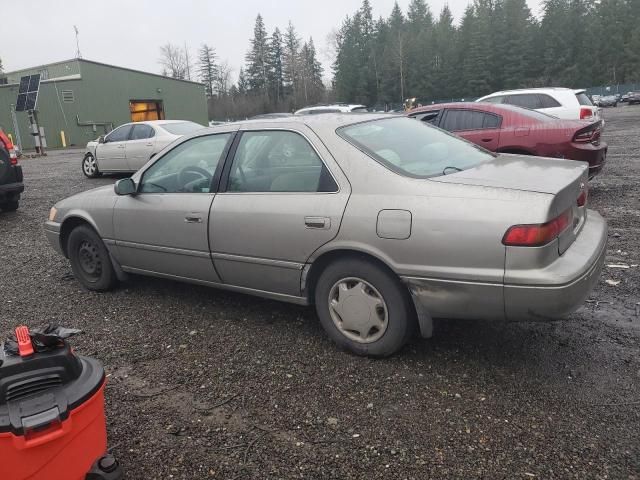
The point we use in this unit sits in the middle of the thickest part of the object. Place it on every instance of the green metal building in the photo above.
(79, 100)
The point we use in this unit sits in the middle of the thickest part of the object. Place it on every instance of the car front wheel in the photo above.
(90, 259)
(90, 166)
(363, 308)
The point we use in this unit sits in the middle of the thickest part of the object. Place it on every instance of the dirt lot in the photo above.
(209, 384)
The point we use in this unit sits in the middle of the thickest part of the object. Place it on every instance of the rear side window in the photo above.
(142, 132)
(547, 101)
(583, 99)
(458, 120)
(491, 121)
(278, 161)
(525, 100)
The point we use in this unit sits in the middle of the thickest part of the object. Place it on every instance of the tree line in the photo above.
(281, 74)
(497, 45)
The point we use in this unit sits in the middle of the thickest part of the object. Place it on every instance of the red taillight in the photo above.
(582, 198)
(13, 158)
(537, 235)
(590, 134)
(585, 112)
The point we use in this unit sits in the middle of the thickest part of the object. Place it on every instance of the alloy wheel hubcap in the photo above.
(90, 261)
(358, 310)
(89, 165)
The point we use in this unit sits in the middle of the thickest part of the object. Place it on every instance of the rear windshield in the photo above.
(182, 128)
(413, 148)
(583, 99)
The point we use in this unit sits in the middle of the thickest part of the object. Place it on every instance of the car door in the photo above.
(140, 146)
(282, 196)
(111, 154)
(163, 228)
(481, 128)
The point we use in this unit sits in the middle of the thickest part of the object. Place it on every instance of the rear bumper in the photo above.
(11, 190)
(563, 286)
(595, 156)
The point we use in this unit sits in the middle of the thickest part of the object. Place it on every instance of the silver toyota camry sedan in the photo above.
(382, 222)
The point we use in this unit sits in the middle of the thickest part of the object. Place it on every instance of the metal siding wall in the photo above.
(181, 100)
(102, 95)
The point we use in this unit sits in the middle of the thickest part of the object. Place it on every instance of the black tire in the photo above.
(90, 260)
(401, 314)
(90, 166)
(9, 206)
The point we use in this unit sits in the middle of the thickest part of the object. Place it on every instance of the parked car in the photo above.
(595, 99)
(608, 101)
(509, 129)
(624, 97)
(334, 108)
(130, 146)
(558, 102)
(381, 221)
(634, 97)
(11, 185)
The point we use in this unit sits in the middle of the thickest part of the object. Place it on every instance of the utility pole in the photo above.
(15, 126)
(78, 54)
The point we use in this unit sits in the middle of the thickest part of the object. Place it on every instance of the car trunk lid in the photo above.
(566, 180)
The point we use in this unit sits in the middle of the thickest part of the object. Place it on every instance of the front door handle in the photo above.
(192, 218)
(317, 222)
(149, 144)
(485, 140)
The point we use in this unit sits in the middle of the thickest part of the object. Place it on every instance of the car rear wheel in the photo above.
(363, 308)
(9, 206)
(90, 259)
(90, 166)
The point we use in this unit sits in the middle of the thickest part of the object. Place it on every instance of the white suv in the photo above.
(335, 108)
(559, 102)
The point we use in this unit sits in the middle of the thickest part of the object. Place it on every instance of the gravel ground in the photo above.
(210, 384)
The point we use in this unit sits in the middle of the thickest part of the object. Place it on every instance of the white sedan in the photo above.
(130, 146)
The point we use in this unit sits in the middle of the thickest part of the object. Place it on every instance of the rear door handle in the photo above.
(487, 139)
(149, 144)
(121, 146)
(193, 218)
(317, 222)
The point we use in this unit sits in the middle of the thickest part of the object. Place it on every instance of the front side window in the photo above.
(278, 161)
(188, 168)
(142, 132)
(413, 149)
(120, 134)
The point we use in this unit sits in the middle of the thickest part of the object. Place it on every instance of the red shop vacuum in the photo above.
(52, 422)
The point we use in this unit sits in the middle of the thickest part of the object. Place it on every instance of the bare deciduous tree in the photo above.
(173, 61)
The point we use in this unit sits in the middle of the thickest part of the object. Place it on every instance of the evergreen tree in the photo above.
(290, 62)
(420, 49)
(1, 67)
(257, 64)
(395, 69)
(275, 67)
(243, 84)
(207, 68)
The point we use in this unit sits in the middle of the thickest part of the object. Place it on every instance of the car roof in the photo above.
(325, 120)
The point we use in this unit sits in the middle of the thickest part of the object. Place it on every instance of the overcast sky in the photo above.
(129, 33)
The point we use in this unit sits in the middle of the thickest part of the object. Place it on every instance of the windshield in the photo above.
(413, 148)
(182, 128)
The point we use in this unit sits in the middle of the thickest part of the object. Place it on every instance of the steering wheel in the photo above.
(183, 175)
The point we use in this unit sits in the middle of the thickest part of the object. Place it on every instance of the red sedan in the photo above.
(509, 129)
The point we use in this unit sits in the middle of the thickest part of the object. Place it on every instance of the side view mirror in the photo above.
(125, 186)
(101, 139)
